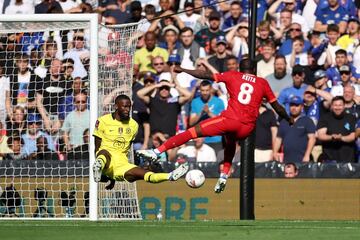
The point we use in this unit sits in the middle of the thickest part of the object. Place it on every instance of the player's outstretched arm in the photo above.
(196, 73)
(280, 110)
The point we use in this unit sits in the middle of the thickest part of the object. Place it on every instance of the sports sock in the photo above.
(102, 159)
(177, 140)
(226, 168)
(156, 177)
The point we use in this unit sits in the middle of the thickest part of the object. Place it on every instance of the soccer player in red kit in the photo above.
(246, 92)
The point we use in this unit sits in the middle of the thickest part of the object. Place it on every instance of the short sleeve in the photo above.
(222, 77)
(310, 126)
(322, 122)
(99, 129)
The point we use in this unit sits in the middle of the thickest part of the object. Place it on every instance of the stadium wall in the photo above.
(311, 199)
(320, 199)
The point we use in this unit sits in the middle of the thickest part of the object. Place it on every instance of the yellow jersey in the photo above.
(116, 136)
(143, 59)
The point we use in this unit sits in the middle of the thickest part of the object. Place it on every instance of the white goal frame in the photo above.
(93, 20)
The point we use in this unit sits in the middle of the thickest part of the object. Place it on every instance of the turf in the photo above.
(180, 230)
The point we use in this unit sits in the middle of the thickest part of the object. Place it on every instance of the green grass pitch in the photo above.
(179, 230)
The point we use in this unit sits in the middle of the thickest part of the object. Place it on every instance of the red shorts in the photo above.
(223, 126)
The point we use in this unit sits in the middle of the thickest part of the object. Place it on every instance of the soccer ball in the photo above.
(195, 178)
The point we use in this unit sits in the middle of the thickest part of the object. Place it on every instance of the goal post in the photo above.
(67, 183)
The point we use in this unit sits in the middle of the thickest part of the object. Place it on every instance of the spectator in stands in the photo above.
(76, 122)
(333, 73)
(218, 60)
(198, 151)
(135, 12)
(119, 10)
(332, 14)
(263, 34)
(144, 56)
(265, 66)
(351, 101)
(354, 53)
(321, 80)
(315, 101)
(33, 132)
(140, 113)
(5, 101)
(189, 18)
(17, 123)
(299, 139)
(336, 130)
(332, 34)
(290, 170)
(163, 20)
(48, 100)
(67, 103)
(20, 7)
(294, 32)
(9, 48)
(235, 16)
(171, 43)
(297, 55)
(67, 68)
(280, 79)
(150, 12)
(297, 89)
(189, 51)
(50, 53)
(48, 6)
(43, 152)
(159, 65)
(206, 106)
(81, 152)
(22, 85)
(352, 35)
(15, 143)
(78, 53)
(69, 6)
(289, 5)
(164, 108)
(204, 36)
(266, 132)
(4, 148)
(237, 39)
(345, 77)
(283, 28)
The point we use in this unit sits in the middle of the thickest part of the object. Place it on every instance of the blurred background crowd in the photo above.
(307, 50)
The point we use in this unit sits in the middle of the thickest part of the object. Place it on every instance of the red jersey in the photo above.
(246, 93)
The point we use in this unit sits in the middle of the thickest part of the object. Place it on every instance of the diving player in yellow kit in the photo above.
(114, 134)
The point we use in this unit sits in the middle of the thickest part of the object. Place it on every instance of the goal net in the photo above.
(56, 78)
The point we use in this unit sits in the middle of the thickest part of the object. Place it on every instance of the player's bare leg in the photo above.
(229, 153)
(102, 160)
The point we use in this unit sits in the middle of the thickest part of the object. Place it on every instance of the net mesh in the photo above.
(117, 45)
(45, 117)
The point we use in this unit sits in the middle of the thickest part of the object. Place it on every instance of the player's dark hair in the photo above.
(291, 164)
(205, 83)
(231, 57)
(121, 97)
(185, 29)
(341, 52)
(337, 98)
(247, 66)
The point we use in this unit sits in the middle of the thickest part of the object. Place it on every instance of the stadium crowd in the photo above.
(308, 51)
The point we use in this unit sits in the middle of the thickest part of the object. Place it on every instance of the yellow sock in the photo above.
(156, 177)
(102, 159)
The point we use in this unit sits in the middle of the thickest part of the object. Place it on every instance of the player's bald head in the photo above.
(122, 97)
(247, 66)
